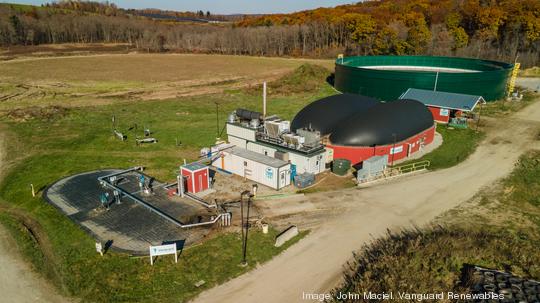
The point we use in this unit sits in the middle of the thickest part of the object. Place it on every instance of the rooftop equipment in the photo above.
(245, 114)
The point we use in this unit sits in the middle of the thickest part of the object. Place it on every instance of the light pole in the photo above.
(244, 261)
(244, 234)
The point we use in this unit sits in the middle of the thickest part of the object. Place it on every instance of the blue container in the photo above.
(293, 172)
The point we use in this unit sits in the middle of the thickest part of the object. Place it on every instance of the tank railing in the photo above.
(409, 168)
(392, 172)
(105, 182)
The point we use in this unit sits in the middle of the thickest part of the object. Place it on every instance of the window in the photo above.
(245, 163)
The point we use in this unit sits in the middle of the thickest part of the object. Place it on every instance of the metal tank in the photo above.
(341, 167)
(387, 77)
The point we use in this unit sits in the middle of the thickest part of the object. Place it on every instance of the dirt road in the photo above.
(314, 265)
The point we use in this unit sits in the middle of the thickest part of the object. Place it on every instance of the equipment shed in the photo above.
(262, 169)
(196, 177)
(444, 105)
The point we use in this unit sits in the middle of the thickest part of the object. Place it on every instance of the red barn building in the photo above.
(196, 177)
(442, 105)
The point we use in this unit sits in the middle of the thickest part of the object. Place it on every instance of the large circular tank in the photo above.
(322, 115)
(383, 124)
(388, 77)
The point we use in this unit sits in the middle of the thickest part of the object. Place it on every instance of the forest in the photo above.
(491, 29)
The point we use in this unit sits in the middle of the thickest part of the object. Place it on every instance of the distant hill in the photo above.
(495, 29)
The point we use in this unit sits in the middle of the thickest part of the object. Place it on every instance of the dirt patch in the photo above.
(47, 113)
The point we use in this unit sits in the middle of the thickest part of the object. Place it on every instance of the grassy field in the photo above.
(457, 145)
(48, 140)
(138, 68)
(78, 81)
(57, 118)
(530, 72)
(503, 108)
(500, 229)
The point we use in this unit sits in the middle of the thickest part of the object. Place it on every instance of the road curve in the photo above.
(314, 265)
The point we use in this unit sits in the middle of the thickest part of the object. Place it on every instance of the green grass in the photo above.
(503, 107)
(530, 72)
(429, 260)
(119, 278)
(52, 147)
(458, 144)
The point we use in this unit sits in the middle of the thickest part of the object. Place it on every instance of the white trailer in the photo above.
(262, 169)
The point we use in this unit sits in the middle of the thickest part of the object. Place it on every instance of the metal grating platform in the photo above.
(130, 226)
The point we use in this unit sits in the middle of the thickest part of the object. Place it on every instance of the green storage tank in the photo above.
(387, 77)
(341, 166)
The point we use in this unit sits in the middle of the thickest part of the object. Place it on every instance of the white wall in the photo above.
(261, 149)
(260, 173)
(312, 165)
(237, 141)
(241, 132)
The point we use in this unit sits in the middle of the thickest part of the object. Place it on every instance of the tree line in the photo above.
(491, 29)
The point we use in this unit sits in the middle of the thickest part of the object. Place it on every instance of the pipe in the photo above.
(264, 99)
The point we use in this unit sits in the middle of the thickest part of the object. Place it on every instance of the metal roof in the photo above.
(194, 166)
(443, 99)
(260, 158)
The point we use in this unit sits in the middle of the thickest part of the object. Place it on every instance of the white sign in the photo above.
(160, 250)
(99, 248)
(396, 150)
(444, 112)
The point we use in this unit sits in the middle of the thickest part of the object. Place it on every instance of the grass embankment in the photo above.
(53, 143)
(458, 144)
(79, 271)
(499, 230)
(530, 72)
(503, 107)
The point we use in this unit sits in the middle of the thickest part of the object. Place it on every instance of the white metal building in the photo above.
(305, 163)
(246, 137)
(272, 172)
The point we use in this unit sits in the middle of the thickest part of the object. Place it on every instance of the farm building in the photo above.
(444, 105)
(196, 176)
(272, 172)
(396, 129)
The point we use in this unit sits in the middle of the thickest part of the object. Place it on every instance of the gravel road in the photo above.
(314, 265)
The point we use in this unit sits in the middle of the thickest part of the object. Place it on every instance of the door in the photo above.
(282, 179)
(200, 183)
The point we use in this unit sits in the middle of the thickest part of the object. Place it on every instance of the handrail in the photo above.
(105, 181)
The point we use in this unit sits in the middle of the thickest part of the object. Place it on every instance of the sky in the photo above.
(220, 6)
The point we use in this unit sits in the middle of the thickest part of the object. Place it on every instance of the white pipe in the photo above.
(264, 99)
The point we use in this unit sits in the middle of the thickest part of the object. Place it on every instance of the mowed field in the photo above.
(149, 67)
(101, 79)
